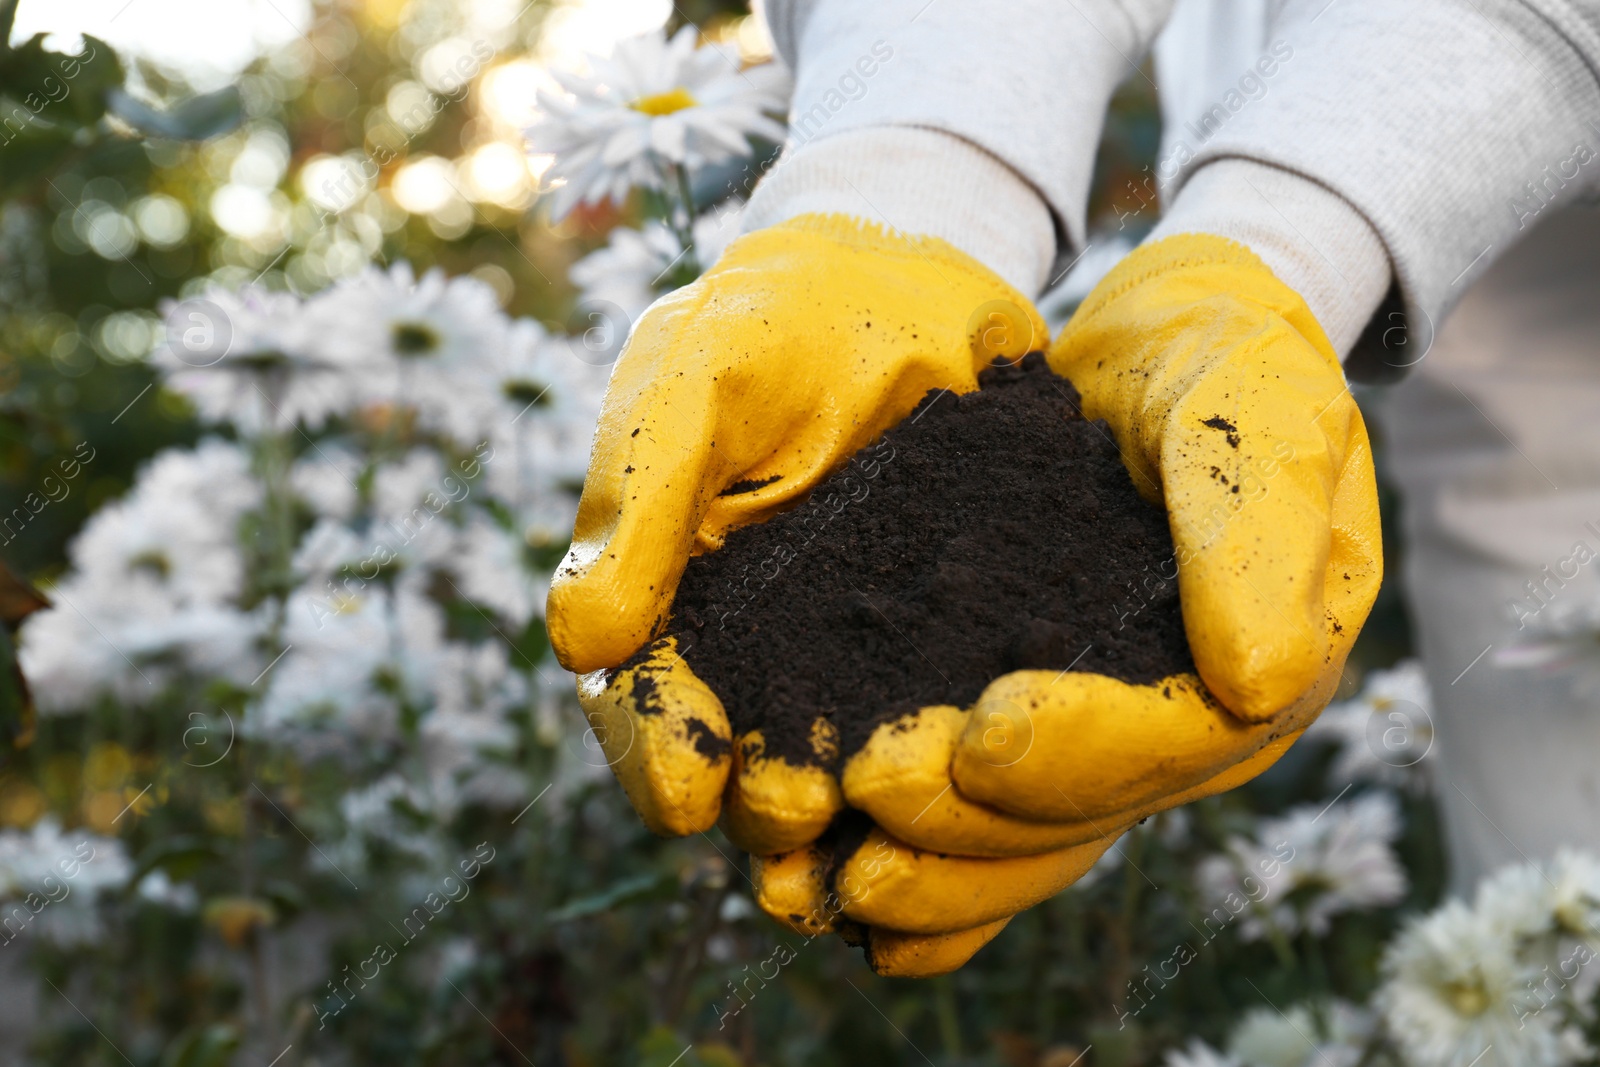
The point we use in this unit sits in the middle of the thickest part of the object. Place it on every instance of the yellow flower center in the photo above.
(1467, 998)
(658, 104)
(1572, 916)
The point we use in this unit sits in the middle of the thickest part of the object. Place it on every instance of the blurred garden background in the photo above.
(298, 366)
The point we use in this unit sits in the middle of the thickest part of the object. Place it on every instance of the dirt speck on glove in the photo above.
(986, 533)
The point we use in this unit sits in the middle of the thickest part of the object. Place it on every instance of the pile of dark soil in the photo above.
(986, 533)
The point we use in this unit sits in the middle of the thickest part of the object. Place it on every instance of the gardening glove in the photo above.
(734, 397)
(1231, 410)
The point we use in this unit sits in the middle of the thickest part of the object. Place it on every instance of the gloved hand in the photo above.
(1231, 410)
(733, 398)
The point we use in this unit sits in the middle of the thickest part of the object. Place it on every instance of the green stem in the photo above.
(949, 1018)
(1321, 986)
(682, 222)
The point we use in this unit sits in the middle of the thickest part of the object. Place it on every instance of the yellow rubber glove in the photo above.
(1231, 410)
(734, 397)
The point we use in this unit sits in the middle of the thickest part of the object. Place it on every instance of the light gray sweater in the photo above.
(1360, 141)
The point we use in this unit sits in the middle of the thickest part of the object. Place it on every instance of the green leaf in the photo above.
(661, 1047)
(31, 154)
(198, 118)
(207, 1046)
(533, 643)
(8, 18)
(627, 891)
(16, 705)
(60, 87)
(181, 856)
(288, 899)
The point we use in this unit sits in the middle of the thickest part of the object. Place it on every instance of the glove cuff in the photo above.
(1309, 237)
(916, 181)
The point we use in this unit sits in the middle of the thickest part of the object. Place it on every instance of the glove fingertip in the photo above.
(892, 954)
(1258, 679)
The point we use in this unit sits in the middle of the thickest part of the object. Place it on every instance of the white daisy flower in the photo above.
(1384, 734)
(413, 503)
(424, 342)
(653, 105)
(473, 688)
(1198, 1054)
(353, 659)
(157, 887)
(325, 480)
(153, 589)
(628, 271)
(1520, 900)
(636, 266)
(1299, 1037)
(50, 880)
(1533, 900)
(1456, 995)
(492, 572)
(1576, 875)
(247, 359)
(539, 454)
(1302, 869)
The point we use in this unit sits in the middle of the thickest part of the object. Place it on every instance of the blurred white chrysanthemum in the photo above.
(247, 358)
(491, 571)
(1198, 1054)
(50, 879)
(1386, 732)
(628, 270)
(473, 689)
(540, 445)
(158, 888)
(1456, 994)
(636, 266)
(1307, 866)
(155, 579)
(1576, 895)
(1299, 1037)
(420, 342)
(325, 480)
(653, 104)
(1533, 900)
(353, 659)
(411, 501)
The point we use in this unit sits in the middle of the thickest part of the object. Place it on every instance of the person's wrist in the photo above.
(916, 181)
(1312, 239)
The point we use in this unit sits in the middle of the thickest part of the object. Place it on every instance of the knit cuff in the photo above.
(1311, 238)
(917, 182)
